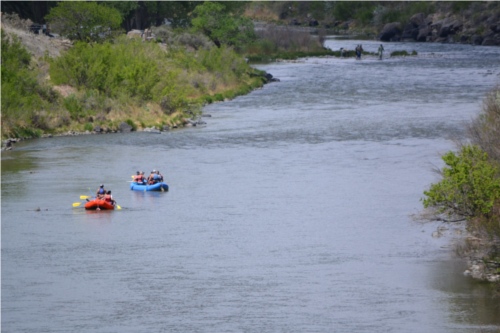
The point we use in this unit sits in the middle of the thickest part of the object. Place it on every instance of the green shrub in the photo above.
(24, 132)
(470, 184)
(132, 69)
(21, 93)
(132, 124)
(215, 20)
(84, 21)
(88, 127)
(74, 107)
(218, 97)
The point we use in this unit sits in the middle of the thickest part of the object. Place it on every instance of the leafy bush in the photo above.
(276, 39)
(75, 109)
(144, 70)
(84, 21)
(132, 124)
(470, 185)
(215, 21)
(88, 127)
(20, 89)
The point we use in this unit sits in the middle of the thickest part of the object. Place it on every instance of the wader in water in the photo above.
(380, 51)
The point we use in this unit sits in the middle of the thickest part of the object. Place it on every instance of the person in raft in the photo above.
(109, 198)
(160, 176)
(139, 178)
(152, 177)
(101, 191)
(155, 177)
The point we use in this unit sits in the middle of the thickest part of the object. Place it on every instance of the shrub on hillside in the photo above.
(146, 72)
(20, 89)
(214, 20)
(277, 39)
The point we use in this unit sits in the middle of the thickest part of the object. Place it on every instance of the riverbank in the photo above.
(9, 143)
(53, 86)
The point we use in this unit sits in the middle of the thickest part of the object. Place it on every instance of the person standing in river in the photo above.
(359, 50)
(380, 51)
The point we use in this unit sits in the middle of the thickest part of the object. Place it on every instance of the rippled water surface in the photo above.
(290, 211)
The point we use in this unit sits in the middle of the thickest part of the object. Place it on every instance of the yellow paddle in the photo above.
(76, 204)
(83, 197)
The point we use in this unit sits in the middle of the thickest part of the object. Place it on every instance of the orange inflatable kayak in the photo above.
(98, 204)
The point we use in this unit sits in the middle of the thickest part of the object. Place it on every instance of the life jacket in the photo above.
(156, 177)
(107, 197)
(139, 179)
(101, 191)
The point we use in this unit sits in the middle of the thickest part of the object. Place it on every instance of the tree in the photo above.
(470, 186)
(84, 21)
(214, 20)
(144, 14)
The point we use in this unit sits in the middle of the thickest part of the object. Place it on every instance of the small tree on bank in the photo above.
(213, 20)
(470, 186)
(84, 21)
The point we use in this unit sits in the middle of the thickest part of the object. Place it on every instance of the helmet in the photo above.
(154, 170)
(138, 172)
(101, 185)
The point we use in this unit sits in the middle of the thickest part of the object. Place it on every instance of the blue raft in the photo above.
(154, 187)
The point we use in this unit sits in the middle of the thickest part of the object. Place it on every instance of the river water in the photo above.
(290, 211)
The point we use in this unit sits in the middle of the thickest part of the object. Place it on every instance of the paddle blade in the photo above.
(76, 204)
(118, 206)
(83, 197)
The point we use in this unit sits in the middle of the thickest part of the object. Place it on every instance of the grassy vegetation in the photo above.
(149, 84)
(23, 98)
(278, 42)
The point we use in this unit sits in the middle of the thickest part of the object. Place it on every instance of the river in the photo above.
(291, 210)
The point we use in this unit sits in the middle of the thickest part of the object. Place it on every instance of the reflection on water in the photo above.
(471, 302)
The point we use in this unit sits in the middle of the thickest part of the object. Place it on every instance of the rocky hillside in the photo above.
(420, 21)
(483, 29)
(37, 44)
